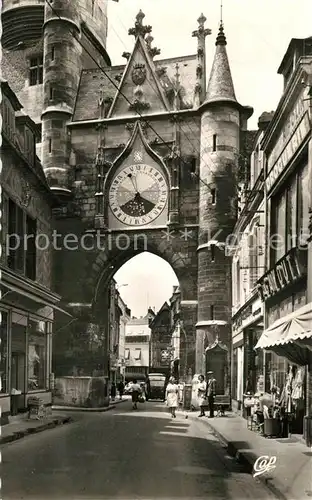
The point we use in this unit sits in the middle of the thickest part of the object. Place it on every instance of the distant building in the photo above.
(161, 340)
(176, 333)
(125, 317)
(137, 346)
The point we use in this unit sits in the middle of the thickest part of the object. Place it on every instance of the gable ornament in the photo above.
(138, 74)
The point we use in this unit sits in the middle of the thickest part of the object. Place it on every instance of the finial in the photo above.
(177, 75)
(201, 20)
(221, 12)
(201, 31)
(221, 40)
(139, 29)
(153, 51)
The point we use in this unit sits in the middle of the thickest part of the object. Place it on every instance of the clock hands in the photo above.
(134, 182)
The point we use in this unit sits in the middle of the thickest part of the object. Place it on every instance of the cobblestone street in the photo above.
(126, 455)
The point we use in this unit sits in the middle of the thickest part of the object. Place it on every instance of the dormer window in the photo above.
(8, 117)
(29, 145)
(36, 70)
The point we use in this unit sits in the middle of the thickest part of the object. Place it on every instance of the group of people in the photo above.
(206, 391)
(120, 387)
(206, 394)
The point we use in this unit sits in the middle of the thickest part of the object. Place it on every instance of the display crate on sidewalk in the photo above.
(36, 408)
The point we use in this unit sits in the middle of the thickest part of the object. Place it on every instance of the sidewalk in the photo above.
(291, 479)
(22, 427)
(112, 405)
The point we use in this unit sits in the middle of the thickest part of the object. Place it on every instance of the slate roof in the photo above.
(220, 86)
(92, 81)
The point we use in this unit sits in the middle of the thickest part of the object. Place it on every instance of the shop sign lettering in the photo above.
(287, 271)
(287, 153)
(288, 128)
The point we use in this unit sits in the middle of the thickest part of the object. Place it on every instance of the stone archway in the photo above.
(109, 262)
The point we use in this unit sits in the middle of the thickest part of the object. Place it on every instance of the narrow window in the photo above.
(36, 70)
(52, 53)
(213, 196)
(214, 142)
(51, 93)
(50, 145)
(211, 312)
(31, 230)
(212, 250)
(193, 165)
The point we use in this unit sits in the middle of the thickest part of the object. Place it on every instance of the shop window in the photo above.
(37, 355)
(21, 241)
(276, 370)
(36, 70)
(18, 352)
(4, 352)
(234, 374)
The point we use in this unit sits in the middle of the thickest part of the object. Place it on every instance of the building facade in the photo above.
(102, 128)
(284, 288)
(27, 301)
(160, 341)
(125, 317)
(138, 347)
(247, 247)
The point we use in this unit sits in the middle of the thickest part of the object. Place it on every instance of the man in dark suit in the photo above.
(211, 392)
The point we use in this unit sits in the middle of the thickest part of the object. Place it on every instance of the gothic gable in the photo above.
(140, 85)
(137, 170)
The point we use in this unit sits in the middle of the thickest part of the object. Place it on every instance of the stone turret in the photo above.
(222, 118)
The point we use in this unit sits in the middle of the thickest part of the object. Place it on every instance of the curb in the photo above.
(82, 408)
(243, 459)
(34, 430)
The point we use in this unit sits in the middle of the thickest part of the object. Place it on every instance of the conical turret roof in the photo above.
(220, 86)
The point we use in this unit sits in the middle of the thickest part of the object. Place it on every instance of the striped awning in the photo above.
(293, 328)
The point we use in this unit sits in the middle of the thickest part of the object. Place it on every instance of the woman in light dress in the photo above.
(172, 396)
(202, 394)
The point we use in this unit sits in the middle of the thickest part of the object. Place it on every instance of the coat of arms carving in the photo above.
(139, 74)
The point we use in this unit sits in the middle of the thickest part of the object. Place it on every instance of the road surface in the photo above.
(123, 454)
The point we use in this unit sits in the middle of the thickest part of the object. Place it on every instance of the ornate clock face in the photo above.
(138, 195)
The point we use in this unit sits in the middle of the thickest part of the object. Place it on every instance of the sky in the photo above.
(258, 34)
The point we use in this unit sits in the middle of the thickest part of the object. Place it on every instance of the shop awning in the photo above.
(293, 328)
(34, 298)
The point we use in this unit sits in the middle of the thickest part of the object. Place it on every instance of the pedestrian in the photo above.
(113, 391)
(211, 392)
(172, 396)
(121, 388)
(135, 392)
(202, 395)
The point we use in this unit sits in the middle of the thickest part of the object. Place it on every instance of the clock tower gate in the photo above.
(151, 167)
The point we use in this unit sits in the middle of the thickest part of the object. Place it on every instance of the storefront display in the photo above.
(4, 352)
(25, 363)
